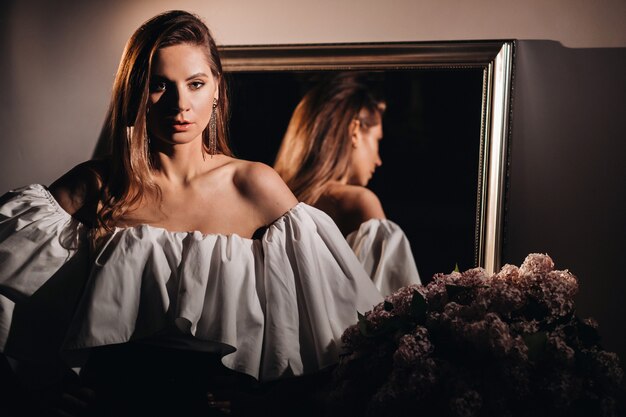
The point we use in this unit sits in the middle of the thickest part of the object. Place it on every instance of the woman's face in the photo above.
(365, 157)
(182, 90)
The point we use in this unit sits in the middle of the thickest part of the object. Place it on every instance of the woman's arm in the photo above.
(78, 190)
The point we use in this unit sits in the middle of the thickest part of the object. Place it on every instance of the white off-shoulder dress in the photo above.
(273, 306)
(385, 252)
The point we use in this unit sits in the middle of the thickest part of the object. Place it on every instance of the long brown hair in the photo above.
(316, 147)
(125, 134)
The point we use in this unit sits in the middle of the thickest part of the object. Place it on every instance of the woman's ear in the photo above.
(216, 95)
(355, 130)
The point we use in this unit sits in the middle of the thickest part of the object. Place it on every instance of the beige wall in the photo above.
(575, 23)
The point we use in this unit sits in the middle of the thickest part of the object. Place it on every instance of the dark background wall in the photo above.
(567, 194)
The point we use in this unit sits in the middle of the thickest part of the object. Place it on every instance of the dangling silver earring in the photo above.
(213, 130)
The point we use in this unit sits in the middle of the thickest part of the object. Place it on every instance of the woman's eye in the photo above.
(158, 86)
(194, 85)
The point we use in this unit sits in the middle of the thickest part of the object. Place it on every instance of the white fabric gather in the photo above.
(385, 252)
(273, 306)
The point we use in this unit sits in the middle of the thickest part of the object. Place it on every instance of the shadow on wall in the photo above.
(567, 189)
(7, 97)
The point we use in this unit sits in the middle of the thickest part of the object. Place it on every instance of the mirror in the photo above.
(446, 129)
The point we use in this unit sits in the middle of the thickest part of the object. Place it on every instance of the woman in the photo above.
(327, 157)
(149, 252)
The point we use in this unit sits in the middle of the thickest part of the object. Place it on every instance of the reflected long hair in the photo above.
(125, 135)
(317, 145)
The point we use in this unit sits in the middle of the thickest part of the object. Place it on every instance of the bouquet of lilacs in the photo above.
(468, 344)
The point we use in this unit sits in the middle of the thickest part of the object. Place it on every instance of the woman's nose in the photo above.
(183, 102)
(379, 161)
(179, 100)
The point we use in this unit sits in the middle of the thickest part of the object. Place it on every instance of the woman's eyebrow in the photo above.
(158, 77)
(196, 75)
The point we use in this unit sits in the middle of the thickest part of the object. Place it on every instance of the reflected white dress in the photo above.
(273, 306)
(385, 252)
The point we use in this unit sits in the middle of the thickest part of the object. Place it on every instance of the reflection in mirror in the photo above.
(431, 144)
(446, 127)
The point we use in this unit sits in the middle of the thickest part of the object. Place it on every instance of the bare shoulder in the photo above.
(264, 188)
(350, 206)
(79, 188)
(360, 202)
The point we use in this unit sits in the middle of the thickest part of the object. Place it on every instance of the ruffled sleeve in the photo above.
(274, 307)
(43, 266)
(385, 252)
(308, 263)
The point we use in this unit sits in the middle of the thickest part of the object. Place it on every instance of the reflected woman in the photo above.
(327, 157)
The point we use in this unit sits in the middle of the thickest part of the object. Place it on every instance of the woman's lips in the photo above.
(181, 126)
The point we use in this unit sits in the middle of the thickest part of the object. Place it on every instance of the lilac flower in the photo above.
(536, 264)
(466, 405)
(468, 344)
(401, 299)
(413, 347)
(559, 349)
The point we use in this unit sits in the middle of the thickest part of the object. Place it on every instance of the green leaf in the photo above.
(393, 324)
(536, 344)
(456, 267)
(362, 323)
(388, 306)
(390, 325)
(418, 307)
(455, 290)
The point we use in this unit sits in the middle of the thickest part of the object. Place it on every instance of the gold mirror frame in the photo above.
(495, 57)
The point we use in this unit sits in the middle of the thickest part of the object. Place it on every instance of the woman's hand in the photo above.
(72, 401)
